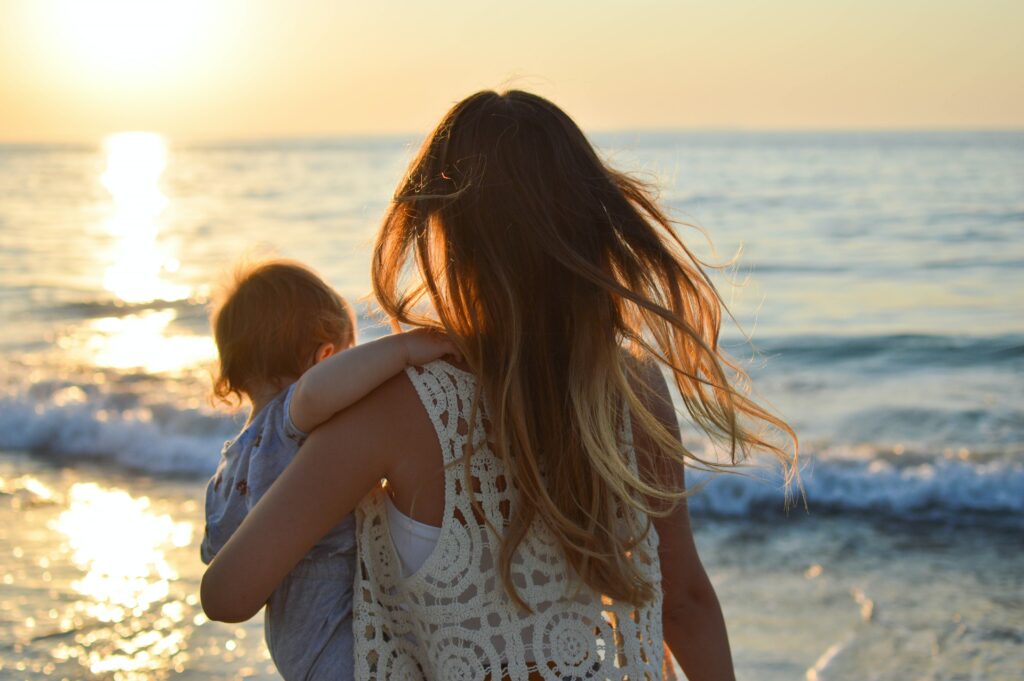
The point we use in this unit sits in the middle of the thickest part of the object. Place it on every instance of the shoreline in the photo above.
(101, 579)
(827, 595)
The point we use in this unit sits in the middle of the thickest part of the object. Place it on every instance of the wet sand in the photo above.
(101, 579)
(101, 575)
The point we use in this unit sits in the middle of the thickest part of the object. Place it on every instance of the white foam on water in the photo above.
(186, 444)
(861, 480)
(941, 487)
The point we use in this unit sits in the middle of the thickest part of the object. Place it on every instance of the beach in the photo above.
(878, 274)
(101, 580)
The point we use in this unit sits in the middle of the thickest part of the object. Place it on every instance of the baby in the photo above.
(285, 341)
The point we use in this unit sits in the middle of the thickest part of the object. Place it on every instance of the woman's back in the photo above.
(543, 264)
(452, 619)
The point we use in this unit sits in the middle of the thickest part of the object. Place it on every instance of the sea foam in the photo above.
(943, 489)
(178, 442)
(836, 479)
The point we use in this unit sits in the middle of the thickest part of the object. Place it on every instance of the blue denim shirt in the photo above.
(308, 619)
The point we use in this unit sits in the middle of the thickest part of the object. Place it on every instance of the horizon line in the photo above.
(244, 140)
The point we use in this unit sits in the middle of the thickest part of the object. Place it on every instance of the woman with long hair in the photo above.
(532, 521)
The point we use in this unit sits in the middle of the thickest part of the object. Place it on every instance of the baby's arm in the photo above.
(345, 378)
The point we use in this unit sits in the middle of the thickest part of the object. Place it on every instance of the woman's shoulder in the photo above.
(392, 398)
(442, 385)
(443, 367)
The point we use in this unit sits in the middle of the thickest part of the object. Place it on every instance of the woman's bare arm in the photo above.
(692, 620)
(339, 464)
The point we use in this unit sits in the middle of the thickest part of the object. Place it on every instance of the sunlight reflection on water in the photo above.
(101, 581)
(136, 269)
(135, 163)
(139, 341)
(120, 544)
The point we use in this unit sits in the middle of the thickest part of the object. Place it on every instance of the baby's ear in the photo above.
(324, 351)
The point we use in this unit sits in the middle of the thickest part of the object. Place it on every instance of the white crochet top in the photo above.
(451, 619)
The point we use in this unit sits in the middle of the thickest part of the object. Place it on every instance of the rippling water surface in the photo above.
(880, 276)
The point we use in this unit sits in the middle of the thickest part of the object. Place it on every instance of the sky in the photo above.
(76, 70)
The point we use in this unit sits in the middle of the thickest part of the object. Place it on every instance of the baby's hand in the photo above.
(425, 345)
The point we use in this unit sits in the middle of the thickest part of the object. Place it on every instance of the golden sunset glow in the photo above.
(137, 268)
(118, 43)
(829, 192)
(124, 570)
(120, 545)
(139, 341)
(135, 162)
(79, 69)
(125, 35)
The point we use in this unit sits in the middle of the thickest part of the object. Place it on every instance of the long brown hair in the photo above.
(544, 262)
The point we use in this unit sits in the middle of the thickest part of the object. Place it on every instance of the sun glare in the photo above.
(121, 544)
(135, 163)
(125, 37)
(138, 268)
(139, 341)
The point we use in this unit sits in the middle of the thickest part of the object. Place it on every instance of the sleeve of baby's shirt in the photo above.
(220, 522)
(273, 450)
(206, 550)
(290, 430)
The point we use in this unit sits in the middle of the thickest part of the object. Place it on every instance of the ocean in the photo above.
(878, 276)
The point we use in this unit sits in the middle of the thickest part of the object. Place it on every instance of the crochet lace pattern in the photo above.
(452, 618)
